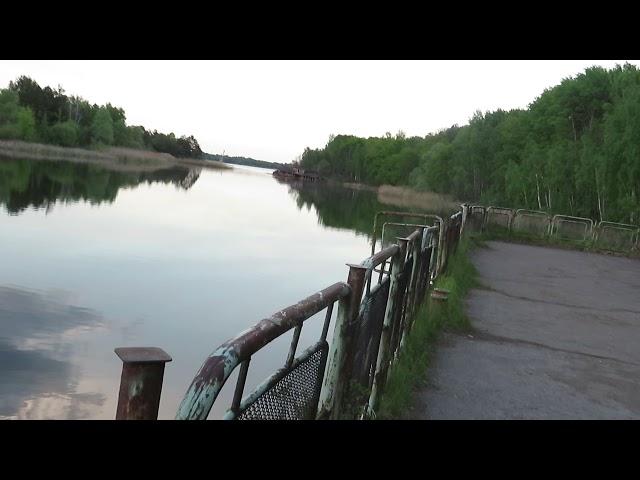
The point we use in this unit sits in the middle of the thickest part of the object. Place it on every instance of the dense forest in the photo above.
(31, 113)
(574, 150)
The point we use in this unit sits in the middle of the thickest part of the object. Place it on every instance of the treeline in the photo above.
(574, 150)
(31, 113)
(252, 162)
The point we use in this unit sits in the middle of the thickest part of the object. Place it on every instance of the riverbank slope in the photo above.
(116, 158)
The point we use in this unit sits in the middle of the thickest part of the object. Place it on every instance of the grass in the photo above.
(409, 371)
(407, 197)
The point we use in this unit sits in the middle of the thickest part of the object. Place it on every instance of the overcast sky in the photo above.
(272, 110)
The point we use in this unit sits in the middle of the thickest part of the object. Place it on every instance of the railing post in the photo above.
(443, 248)
(141, 382)
(435, 251)
(412, 290)
(401, 306)
(394, 302)
(465, 212)
(341, 352)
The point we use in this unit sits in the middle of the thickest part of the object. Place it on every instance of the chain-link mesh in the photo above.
(532, 223)
(294, 396)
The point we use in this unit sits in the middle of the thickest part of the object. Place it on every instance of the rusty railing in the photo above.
(603, 235)
(377, 307)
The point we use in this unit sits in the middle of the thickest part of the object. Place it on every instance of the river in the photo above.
(93, 259)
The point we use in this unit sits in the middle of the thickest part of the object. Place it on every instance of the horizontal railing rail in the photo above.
(498, 212)
(621, 237)
(346, 377)
(217, 368)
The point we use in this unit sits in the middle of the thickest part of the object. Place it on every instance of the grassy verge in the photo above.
(410, 368)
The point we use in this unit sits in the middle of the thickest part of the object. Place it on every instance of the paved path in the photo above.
(557, 336)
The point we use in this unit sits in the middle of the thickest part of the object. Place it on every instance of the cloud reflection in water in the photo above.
(37, 379)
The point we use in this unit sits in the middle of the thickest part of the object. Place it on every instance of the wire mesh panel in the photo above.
(475, 219)
(295, 395)
(617, 237)
(572, 228)
(498, 218)
(532, 222)
(367, 331)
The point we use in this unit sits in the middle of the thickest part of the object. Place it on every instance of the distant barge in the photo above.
(297, 173)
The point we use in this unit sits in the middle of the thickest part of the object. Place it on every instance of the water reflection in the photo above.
(37, 378)
(353, 209)
(336, 206)
(175, 258)
(40, 184)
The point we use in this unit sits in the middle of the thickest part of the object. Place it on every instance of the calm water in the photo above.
(92, 259)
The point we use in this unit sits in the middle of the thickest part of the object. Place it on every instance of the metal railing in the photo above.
(571, 228)
(531, 221)
(498, 216)
(604, 235)
(343, 379)
(217, 368)
(377, 307)
(616, 236)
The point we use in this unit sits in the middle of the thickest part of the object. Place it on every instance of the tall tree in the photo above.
(102, 127)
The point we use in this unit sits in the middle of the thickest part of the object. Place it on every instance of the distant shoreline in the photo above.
(115, 158)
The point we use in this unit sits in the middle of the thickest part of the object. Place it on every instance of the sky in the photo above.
(272, 110)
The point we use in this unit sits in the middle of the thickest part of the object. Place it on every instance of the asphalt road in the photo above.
(557, 336)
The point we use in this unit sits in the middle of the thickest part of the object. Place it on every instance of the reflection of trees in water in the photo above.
(39, 184)
(36, 378)
(350, 209)
(337, 206)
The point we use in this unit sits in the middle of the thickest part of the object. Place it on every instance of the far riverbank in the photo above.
(116, 158)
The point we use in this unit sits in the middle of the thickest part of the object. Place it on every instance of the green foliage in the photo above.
(574, 150)
(102, 127)
(8, 114)
(30, 112)
(26, 123)
(16, 122)
(133, 137)
(8, 106)
(186, 147)
(64, 134)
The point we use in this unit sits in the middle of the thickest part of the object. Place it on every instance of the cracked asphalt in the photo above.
(556, 336)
